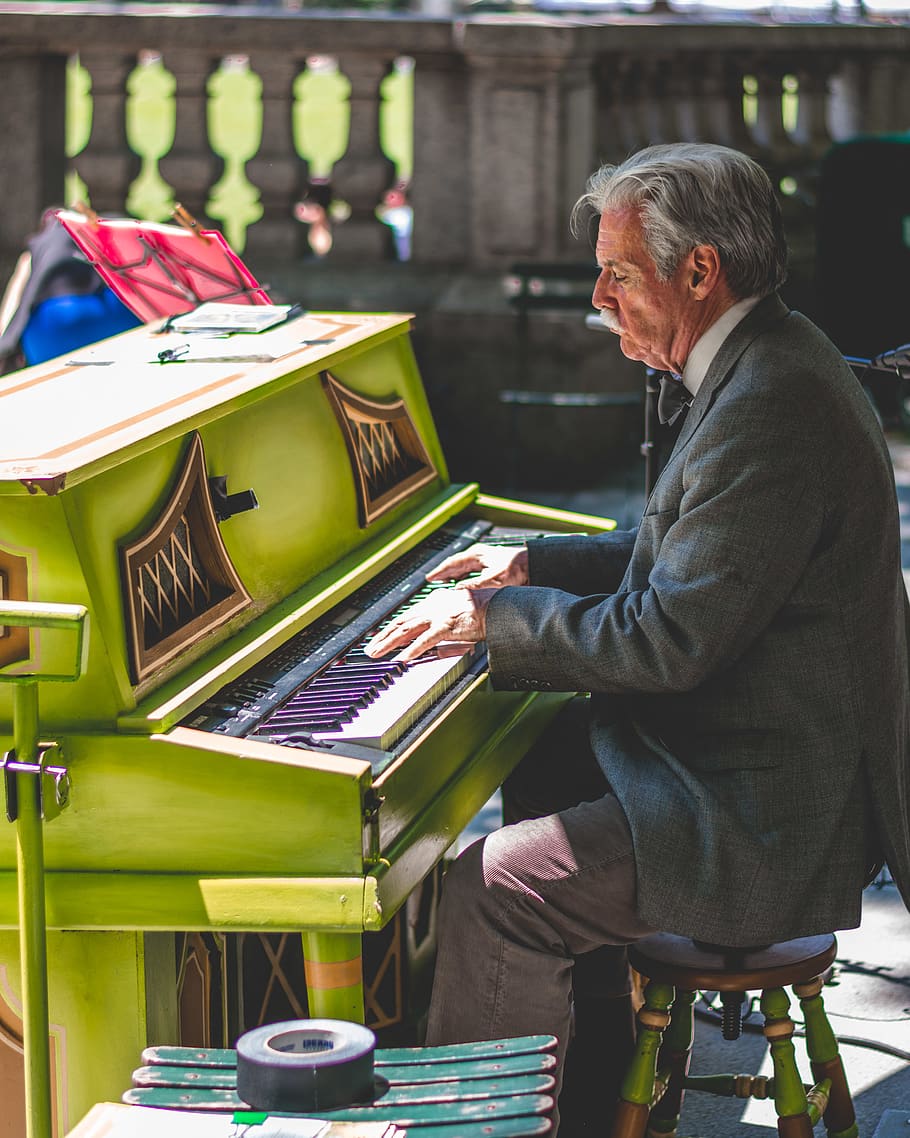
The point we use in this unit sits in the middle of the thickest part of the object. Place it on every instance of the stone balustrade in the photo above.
(511, 113)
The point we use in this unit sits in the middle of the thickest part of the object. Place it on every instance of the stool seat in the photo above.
(691, 965)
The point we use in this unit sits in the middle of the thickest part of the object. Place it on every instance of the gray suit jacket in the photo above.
(746, 648)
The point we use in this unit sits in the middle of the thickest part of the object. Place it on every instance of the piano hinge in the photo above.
(53, 781)
(372, 802)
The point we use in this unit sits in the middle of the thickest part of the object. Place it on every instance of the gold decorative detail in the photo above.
(14, 642)
(179, 583)
(388, 458)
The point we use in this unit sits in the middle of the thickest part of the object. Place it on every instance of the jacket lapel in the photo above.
(764, 315)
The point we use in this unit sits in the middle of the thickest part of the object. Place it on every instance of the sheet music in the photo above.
(117, 1120)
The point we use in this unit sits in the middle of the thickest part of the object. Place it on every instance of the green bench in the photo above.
(496, 1089)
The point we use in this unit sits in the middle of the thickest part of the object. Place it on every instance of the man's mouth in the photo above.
(610, 320)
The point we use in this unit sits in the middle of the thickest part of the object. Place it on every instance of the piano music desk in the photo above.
(230, 520)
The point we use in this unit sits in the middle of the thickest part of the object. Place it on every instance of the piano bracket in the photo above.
(226, 505)
(372, 802)
(53, 781)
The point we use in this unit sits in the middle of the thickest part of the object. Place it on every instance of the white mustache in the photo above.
(609, 320)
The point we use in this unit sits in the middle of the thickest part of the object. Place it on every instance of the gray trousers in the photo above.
(532, 916)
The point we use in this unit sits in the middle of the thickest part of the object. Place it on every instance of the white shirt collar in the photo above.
(707, 346)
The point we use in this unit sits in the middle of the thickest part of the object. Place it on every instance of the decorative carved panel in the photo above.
(388, 458)
(179, 583)
(14, 642)
(200, 985)
(229, 983)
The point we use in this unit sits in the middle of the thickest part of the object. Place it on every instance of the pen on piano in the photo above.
(173, 355)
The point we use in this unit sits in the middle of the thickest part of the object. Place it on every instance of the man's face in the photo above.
(652, 318)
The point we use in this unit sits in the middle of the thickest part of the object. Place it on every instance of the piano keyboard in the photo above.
(320, 689)
(357, 702)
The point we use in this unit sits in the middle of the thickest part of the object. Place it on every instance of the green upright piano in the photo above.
(236, 514)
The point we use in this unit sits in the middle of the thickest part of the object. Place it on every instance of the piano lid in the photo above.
(81, 410)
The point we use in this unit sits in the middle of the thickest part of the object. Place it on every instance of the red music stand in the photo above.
(162, 270)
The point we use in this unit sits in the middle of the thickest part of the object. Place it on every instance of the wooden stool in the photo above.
(676, 968)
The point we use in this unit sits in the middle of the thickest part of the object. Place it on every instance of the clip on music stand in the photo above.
(162, 270)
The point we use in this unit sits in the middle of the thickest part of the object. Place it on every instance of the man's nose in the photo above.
(601, 295)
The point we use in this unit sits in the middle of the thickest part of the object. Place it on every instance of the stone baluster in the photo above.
(772, 144)
(191, 167)
(363, 174)
(846, 103)
(886, 103)
(660, 86)
(107, 165)
(682, 95)
(727, 114)
(717, 103)
(811, 133)
(276, 170)
(868, 95)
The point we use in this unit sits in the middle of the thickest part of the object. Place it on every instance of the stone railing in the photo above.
(511, 113)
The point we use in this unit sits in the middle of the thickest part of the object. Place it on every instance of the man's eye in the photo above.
(619, 279)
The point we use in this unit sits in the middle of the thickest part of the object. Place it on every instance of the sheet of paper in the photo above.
(215, 317)
(116, 1120)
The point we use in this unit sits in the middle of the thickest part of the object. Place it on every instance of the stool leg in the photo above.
(825, 1060)
(637, 1090)
(675, 1054)
(790, 1100)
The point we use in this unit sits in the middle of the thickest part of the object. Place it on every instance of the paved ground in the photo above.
(868, 997)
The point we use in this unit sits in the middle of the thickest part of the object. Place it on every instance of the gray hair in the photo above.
(698, 194)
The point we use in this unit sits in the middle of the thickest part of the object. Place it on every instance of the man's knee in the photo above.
(492, 878)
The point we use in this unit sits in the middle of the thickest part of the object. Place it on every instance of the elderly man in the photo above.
(745, 649)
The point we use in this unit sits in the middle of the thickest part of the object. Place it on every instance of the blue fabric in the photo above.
(61, 324)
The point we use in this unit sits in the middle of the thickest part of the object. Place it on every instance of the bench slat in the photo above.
(517, 1106)
(160, 1075)
(452, 1052)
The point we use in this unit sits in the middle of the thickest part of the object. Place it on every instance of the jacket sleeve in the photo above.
(580, 563)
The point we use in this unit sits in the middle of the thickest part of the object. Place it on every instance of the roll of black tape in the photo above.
(305, 1064)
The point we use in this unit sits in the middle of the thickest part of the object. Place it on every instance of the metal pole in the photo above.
(32, 917)
(649, 445)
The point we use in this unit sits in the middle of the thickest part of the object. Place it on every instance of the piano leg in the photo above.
(334, 975)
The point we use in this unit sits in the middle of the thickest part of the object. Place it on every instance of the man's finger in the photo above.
(393, 636)
(455, 567)
(421, 645)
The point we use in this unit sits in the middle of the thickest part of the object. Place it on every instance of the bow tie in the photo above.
(672, 400)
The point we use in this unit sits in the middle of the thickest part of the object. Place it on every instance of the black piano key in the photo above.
(311, 724)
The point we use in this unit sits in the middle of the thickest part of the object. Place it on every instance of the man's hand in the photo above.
(496, 565)
(450, 618)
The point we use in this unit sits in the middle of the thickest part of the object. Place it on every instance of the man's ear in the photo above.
(704, 270)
